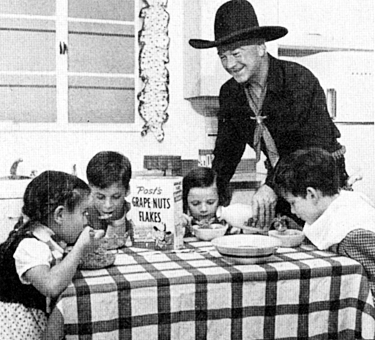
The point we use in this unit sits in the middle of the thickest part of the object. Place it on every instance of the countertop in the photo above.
(247, 181)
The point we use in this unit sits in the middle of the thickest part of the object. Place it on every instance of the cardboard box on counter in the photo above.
(156, 210)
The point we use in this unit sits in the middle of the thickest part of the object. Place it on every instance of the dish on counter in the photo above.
(246, 249)
(289, 237)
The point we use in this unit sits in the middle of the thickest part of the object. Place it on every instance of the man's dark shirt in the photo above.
(297, 117)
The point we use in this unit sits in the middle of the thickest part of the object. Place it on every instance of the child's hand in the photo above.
(89, 239)
(186, 220)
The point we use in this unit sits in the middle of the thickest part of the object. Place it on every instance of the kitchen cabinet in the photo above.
(28, 63)
(349, 75)
(327, 24)
(11, 201)
(76, 63)
(100, 61)
(10, 209)
(320, 25)
(359, 140)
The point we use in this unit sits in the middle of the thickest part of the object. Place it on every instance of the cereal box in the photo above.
(156, 210)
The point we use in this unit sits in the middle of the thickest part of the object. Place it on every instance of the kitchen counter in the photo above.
(244, 185)
(245, 181)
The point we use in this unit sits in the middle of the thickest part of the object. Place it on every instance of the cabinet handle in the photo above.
(332, 103)
(63, 48)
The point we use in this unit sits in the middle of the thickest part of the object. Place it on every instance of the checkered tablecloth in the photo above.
(301, 293)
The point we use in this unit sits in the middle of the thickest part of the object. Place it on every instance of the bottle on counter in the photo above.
(205, 158)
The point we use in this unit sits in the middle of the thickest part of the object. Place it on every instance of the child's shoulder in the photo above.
(13, 241)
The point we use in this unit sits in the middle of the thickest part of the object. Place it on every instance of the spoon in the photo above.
(105, 216)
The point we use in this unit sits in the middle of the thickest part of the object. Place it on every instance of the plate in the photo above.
(250, 246)
(247, 260)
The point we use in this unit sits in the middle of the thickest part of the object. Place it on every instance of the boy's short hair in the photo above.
(313, 167)
(107, 168)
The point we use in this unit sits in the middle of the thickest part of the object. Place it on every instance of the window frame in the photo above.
(61, 74)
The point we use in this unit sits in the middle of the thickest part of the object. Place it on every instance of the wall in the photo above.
(184, 131)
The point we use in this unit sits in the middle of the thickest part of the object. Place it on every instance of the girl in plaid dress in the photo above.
(337, 220)
(33, 270)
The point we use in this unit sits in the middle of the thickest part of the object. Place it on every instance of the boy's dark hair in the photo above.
(107, 168)
(313, 167)
(202, 177)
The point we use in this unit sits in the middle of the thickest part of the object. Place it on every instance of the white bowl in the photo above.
(289, 237)
(246, 246)
(207, 234)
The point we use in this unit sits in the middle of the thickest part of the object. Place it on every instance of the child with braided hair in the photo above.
(33, 270)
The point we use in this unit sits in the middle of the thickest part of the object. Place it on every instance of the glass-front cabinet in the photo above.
(68, 64)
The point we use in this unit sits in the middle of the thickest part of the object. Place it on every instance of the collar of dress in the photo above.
(44, 234)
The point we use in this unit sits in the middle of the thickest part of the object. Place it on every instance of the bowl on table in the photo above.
(246, 249)
(100, 258)
(210, 232)
(289, 237)
(110, 243)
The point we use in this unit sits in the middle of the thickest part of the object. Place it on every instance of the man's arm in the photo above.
(229, 146)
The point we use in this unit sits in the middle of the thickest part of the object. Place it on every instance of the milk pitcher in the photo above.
(236, 215)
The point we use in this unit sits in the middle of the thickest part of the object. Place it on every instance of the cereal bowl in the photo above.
(209, 233)
(289, 238)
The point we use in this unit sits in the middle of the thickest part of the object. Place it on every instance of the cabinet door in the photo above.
(101, 61)
(68, 61)
(360, 155)
(10, 210)
(28, 67)
(328, 23)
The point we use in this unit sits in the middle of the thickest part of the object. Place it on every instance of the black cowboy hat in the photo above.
(236, 20)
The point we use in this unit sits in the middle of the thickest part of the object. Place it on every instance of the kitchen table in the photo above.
(300, 293)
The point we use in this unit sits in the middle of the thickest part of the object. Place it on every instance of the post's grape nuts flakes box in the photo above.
(156, 210)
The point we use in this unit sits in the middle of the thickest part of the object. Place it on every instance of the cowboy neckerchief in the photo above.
(261, 130)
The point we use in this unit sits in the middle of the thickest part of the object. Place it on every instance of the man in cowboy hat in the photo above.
(274, 106)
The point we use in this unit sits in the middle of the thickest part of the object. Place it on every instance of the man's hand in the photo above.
(263, 204)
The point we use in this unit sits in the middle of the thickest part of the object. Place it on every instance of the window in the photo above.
(69, 64)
